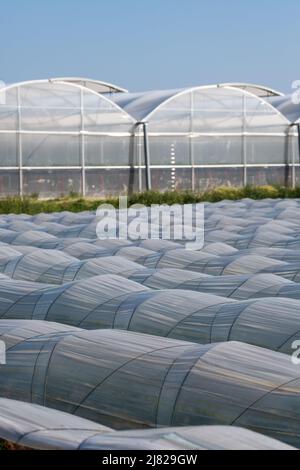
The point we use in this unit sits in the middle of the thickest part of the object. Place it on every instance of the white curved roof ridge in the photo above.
(96, 85)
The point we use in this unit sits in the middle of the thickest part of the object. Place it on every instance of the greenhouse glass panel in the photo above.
(48, 107)
(166, 179)
(173, 116)
(47, 94)
(161, 179)
(108, 151)
(8, 150)
(111, 182)
(260, 116)
(8, 110)
(268, 149)
(101, 115)
(217, 150)
(172, 151)
(183, 179)
(9, 183)
(50, 150)
(268, 176)
(47, 183)
(217, 109)
(207, 178)
(51, 120)
(297, 175)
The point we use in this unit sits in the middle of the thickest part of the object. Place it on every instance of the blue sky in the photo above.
(152, 44)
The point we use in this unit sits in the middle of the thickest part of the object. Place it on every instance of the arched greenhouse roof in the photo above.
(142, 105)
(56, 94)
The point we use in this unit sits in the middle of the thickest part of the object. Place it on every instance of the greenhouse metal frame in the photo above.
(76, 135)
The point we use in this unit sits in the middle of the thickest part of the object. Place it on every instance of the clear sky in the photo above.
(152, 44)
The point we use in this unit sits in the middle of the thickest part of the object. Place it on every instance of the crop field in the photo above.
(121, 344)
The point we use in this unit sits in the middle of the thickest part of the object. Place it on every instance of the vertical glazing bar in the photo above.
(147, 157)
(191, 142)
(291, 139)
(19, 148)
(298, 128)
(82, 145)
(244, 143)
(139, 150)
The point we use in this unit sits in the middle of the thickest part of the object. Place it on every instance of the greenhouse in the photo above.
(63, 136)
(75, 135)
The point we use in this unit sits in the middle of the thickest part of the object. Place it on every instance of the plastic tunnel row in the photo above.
(57, 267)
(112, 302)
(122, 344)
(162, 382)
(43, 428)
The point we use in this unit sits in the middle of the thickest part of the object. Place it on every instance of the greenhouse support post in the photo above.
(298, 127)
(147, 156)
(19, 144)
(244, 144)
(82, 145)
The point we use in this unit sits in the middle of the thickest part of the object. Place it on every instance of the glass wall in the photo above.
(112, 181)
(56, 137)
(47, 183)
(222, 136)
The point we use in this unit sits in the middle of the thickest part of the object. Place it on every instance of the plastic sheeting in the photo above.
(128, 380)
(241, 286)
(109, 301)
(48, 429)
